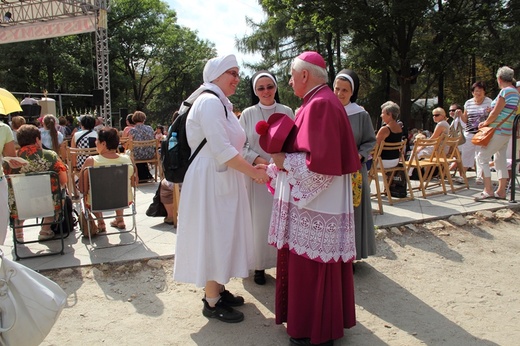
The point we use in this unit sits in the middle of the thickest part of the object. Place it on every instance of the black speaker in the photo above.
(123, 112)
(97, 97)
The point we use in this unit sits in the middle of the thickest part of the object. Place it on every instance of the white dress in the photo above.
(260, 199)
(214, 232)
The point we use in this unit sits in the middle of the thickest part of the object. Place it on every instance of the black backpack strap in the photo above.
(197, 150)
(83, 135)
(205, 140)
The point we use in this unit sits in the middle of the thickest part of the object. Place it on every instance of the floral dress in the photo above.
(142, 132)
(40, 160)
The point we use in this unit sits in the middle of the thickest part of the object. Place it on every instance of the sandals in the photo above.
(118, 224)
(497, 196)
(45, 235)
(483, 196)
(101, 227)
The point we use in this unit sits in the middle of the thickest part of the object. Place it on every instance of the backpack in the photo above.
(69, 218)
(176, 160)
(398, 188)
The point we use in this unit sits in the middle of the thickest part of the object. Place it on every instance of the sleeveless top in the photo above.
(393, 137)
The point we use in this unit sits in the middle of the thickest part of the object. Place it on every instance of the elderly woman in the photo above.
(346, 88)
(475, 111)
(391, 132)
(142, 132)
(264, 102)
(39, 160)
(107, 144)
(51, 138)
(501, 118)
(442, 128)
(86, 138)
(214, 232)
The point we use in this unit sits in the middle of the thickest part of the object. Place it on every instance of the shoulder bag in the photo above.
(30, 304)
(484, 134)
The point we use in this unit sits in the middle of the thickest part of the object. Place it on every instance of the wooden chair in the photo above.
(426, 166)
(373, 176)
(73, 171)
(124, 142)
(452, 157)
(154, 161)
(63, 150)
(176, 197)
(388, 174)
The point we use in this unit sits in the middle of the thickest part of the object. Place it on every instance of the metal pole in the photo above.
(514, 169)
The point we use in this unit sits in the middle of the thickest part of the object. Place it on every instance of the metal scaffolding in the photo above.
(39, 19)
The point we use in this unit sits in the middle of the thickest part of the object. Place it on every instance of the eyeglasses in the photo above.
(453, 110)
(436, 115)
(269, 87)
(233, 73)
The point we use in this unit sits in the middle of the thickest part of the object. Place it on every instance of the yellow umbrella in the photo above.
(8, 103)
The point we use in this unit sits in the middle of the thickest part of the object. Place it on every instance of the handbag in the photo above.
(484, 134)
(84, 225)
(456, 131)
(30, 304)
(156, 208)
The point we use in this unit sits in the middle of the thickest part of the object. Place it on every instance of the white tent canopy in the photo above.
(26, 20)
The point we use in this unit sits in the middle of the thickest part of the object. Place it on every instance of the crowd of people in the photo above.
(246, 206)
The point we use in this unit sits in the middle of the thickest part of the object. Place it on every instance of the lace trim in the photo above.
(306, 185)
(316, 235)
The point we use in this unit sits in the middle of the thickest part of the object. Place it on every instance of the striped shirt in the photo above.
(511, 97)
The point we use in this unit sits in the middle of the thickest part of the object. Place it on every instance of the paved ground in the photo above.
(156, 239)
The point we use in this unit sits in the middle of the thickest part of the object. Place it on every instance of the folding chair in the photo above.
(428, 164)
(452, 157)
(73, 171)
(373, 176)
(155, 160)
(387, 174)
(33, 197)
(109, 190)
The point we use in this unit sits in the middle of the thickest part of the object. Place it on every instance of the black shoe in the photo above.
(222, 312)
(307, 342)
(229, 299)
(260, 277)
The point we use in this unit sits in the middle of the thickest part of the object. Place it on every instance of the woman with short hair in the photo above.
(107, 144)
(142, 132)
(39, 160)
(390, 132)
(501, 117)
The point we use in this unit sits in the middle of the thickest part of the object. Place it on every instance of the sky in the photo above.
(219, 21)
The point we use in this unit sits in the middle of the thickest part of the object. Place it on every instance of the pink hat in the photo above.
(274, 132)
(313, 58)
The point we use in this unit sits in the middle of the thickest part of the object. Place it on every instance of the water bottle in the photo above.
(173, 141)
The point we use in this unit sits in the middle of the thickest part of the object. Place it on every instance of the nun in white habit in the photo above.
(264, 103)
(214, 232)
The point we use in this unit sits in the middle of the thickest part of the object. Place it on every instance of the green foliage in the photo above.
(403, 50)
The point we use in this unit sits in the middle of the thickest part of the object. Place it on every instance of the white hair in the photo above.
(316, 71)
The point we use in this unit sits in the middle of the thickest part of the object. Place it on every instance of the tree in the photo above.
(161, 61)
